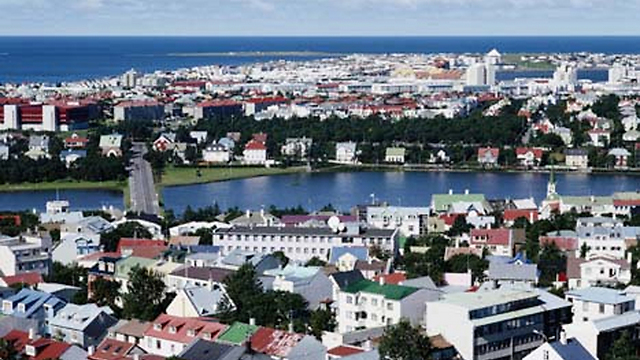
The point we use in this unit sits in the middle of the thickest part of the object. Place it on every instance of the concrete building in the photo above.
(595, 303)
(217, 154)
(577, 158)
(138, 110)
(599, 270)
(395, 155)
(73, 246)
(497, 324)
(255, 153)
(411, 221)
(170, 335)
(601, 236)
(564, 349)
(34, 305)
(25, 254)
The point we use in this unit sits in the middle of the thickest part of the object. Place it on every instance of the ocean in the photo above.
(60, 59)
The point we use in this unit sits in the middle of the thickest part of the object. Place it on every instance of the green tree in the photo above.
(105, 292)
(623, 348)
(461, 263)
(145, 296)
(284, 260)
(127, 230)
(584, 250)
(315, 261)
(459, 227)
(321, 320)
(404, 342)
(244, 289)
(8, 351)
(551, 263)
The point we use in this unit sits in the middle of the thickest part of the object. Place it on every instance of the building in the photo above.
(564, 349)
(34, 305)
(529, 156)
(138, 110)
(298, 148)
(164, 142)
(199, 301)
(513, 272)
(302, 244)
(282, 345)
(189, 276)
(25, 254)
(255, 153)
(576, 158)
(73, 246)
(310, 282)
(593, 303)
(170, 335)
(216, 153)
(501, 242)
(621, 157)
(597, 336)
(217, 108)
(112, 349)
(601, 236)
(369, 304)
(599, 270)
(346, 153)
(444, 203)
(32, 347)
(83, 325)
(395, 155)
(497, 324)
(488, 156)
(111, 145)
(411, 221)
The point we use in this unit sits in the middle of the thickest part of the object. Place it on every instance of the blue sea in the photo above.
(60, 59)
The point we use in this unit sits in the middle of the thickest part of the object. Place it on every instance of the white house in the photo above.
(565, 349)
(346, 153)
(601, 236)
(598, 335)
(411, 221)
(73, 246)
(597, 270)
(170, 335)
(84, 325)
(216, 153)
(395, 155)
(576, 158)
(310, 282)
(255, 153)
(25, 254)
(198, 301)
(595, 303)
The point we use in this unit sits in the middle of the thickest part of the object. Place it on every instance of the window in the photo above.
(601, 308)
(349, 299)
(158, 344)
(389, 306)
(374, 302)
(585, 306)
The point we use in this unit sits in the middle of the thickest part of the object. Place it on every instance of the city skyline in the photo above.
(320, 17)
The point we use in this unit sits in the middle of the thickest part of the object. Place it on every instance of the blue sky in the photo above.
(319, 17)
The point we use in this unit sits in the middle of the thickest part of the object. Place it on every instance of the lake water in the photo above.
(79, 199)
(344, 190)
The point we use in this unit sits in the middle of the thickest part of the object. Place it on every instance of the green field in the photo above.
(185, 176)
(65, 185)
(516, 59)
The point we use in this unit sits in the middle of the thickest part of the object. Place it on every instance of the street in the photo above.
(143, 192)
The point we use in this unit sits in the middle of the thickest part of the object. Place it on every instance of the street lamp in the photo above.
(540, 333)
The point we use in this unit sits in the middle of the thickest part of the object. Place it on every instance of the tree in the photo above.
(8, 350)
(404, 342)
(321, 320)
(244, 289)
(104, 292)
(284, 260)
(584, 250)
(127, 230)
(145, 295)
(459, 227)
(622, 349)
(551, 263)
(315, 261)
(461, 263)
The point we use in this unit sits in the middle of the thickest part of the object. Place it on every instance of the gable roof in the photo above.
(359, 252)
(275, 342)
(347, 278)
(182, 327)
(389, 291)
(111, 349)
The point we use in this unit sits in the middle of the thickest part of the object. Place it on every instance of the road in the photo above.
(144, 198)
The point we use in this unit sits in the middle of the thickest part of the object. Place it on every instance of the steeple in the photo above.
(551, 185)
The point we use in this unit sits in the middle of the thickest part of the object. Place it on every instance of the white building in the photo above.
(395, 155)
(302, 244)
(198, 301)
(73, 246)
(565, 349)
(597, 336)
(310, 282)
(595, 303)
(216, 153)
(346, 153)
(602, 236)
(411, 221)
(369, 304)
(255, 153)
(170, 335)
(576, 158)
(24, 254)
(497, 324)
(597, 270)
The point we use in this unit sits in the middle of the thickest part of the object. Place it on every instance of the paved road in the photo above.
(143, 191)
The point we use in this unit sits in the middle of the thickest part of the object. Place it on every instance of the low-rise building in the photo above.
(310, 282)
(598, 270)
(22, 254)
(595, 303)
(576, 158)
(170, 335)
(500, 242)
(282, 345)
(216, 153)
(73, 246)
(83, 325)
(138, 110)
(34, 305)
(597, 336)
(411, 221)
(199, 301)
(346, 153)
(111, 145)
(488, 156)
(395, 155)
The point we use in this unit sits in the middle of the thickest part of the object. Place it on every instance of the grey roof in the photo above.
(207, 350)
(205, 300)
(576, 152)
(367, 355)
(302, 231)
(424, 282)
(572, 350)
(346, 278)
(239, 257)
(600, 295)
(203, 273)
(515, 271)
(615, 322)
(84, 318)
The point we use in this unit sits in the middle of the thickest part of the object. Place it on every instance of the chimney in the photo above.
(563, 337)
(629, 258)
(91, 350)
(252, 321)
(32, 334)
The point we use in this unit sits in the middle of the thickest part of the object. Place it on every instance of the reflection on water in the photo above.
(79, 199)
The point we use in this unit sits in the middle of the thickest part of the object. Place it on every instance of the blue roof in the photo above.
(80, 153)
(600, 295)
(203, 249)
(572, 350)
(360, 252)
(33, 301)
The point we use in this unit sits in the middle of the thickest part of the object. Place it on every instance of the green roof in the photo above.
(395, 151)
(238, 333)
(124, 266)
(389, 291)
(441, 202)
(587, 200)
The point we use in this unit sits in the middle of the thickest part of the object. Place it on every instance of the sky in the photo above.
(319, 17)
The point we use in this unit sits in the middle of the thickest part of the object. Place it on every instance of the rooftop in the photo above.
(389, 291)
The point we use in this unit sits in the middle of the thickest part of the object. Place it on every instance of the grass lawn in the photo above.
(185, 176)
(65, 185)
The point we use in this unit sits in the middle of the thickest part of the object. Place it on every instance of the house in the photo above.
(599, 137)
(71, 156)
(310, 282)
(395, 155)
(565, 240)
(254, 218)
(492, 324)
(513, 271)
(411, 221)
(189, 276)
(440, 157)
(488, 156)
(261, 262)
(144, 248)
(621, 156)
(341, 280)
(598, 336)
(34, 305)
(76, 141)
(595, 205)
(170, 335)
(103, 268)
(203, 349)
(217, 108)
(369, 304)
(39, 348)
(38, 147)
(91, 225)
(152, 227)
(199, 136)
(576, 158)
(25, 254)
(164, 142)
(497, 241)
(593, 303)
(601, 236)
(28, 278)
(598, 270)
(255, 153)
(112, 349)
(83, 325)
(298, 148)
(111, 145)
(75, 245)
(564, 349)
(129, 331)
(62, 291)
(4, 151)
(345, 257)
(237, 333)
(346, 153)
(216, 153)
(283, 345)
(444, 203)
(199, 301)
(529, 156)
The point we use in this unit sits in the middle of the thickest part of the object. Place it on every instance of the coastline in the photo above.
(118, 186)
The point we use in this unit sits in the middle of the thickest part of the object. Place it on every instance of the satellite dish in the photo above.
(333, 222)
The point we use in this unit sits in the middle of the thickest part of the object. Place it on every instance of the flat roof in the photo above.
(600, 295)
(483, 299)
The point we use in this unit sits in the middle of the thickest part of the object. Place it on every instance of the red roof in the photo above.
(344, 350)
(29, 278)
(394, 278)
(17, 221)
(138, 103)
(17, 338)
(631, 203)
(274, 342)
(177, 329)
(563, 243)
(255, 145)
(111, 349)
(491, 236)
(99, 255)
(218, 103)
(513, 214)
(495, 152)
(537, 153)
(142, 247)
(278, 99)
(261, 137)
(450, 219)
(48, 349)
